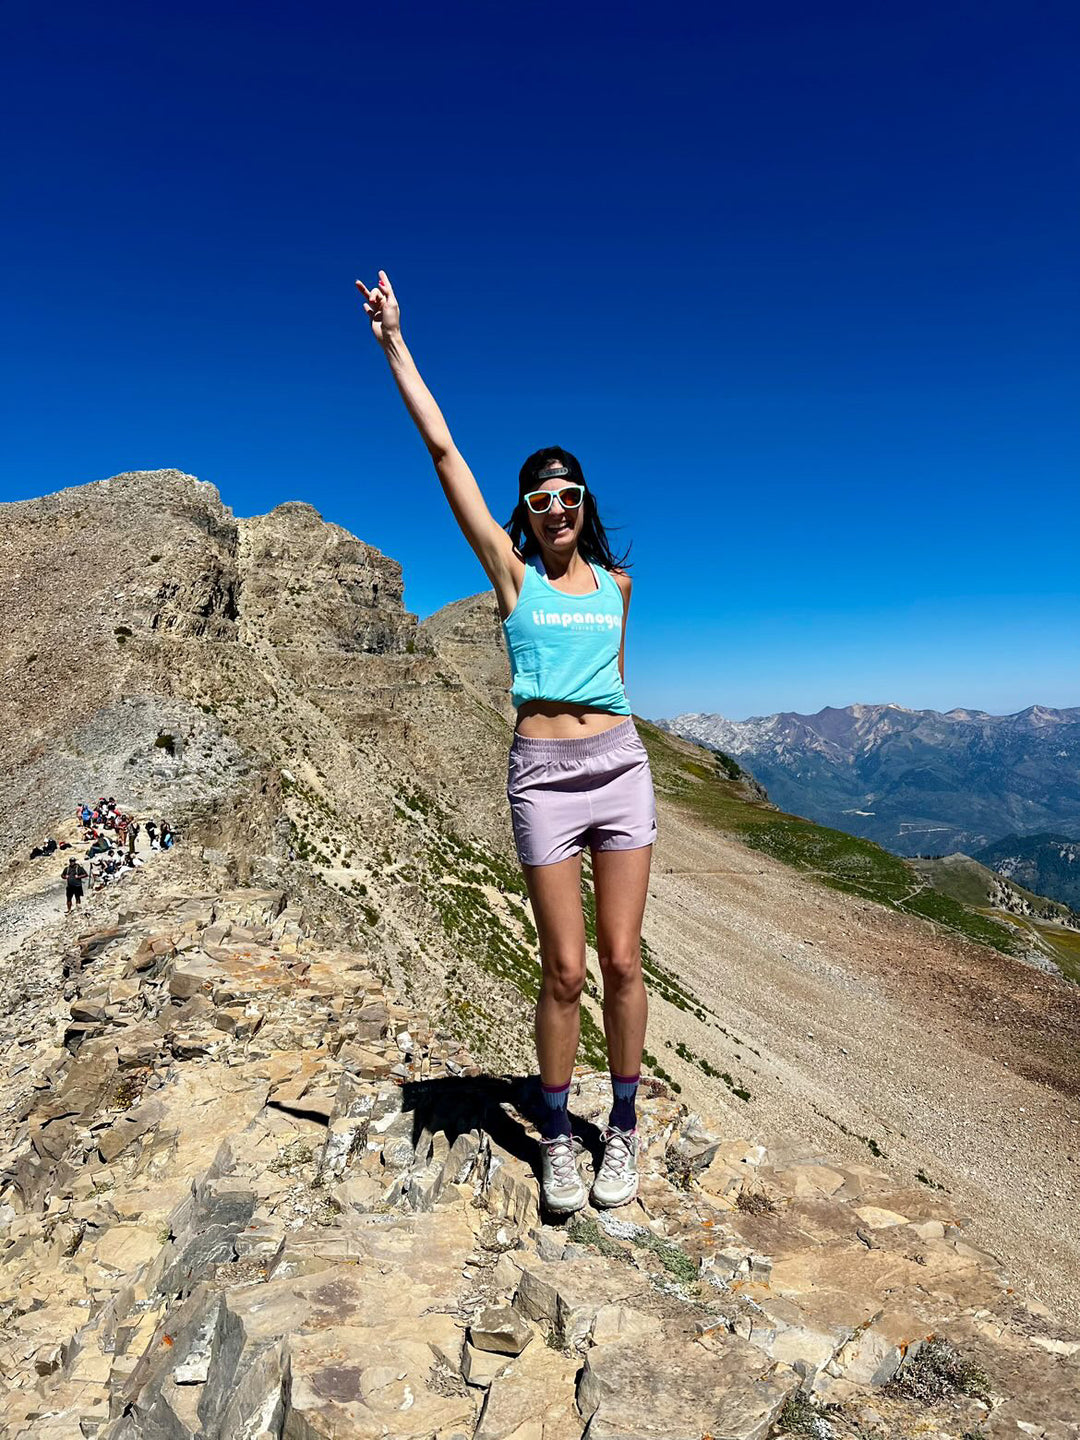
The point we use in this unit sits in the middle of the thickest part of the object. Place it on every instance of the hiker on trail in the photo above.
(578, 772)
(74, 875)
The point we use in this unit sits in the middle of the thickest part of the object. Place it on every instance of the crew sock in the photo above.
(555, 1121)
(623, 1110)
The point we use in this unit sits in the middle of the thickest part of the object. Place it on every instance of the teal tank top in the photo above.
(566, 647)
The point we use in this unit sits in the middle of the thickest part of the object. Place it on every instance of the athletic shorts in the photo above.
(566, 794)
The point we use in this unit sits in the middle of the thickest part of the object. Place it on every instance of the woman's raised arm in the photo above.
(492, 544)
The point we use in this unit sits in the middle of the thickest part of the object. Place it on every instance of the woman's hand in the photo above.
(381, 306)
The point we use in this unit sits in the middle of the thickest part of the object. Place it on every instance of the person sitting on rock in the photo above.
(578, 771)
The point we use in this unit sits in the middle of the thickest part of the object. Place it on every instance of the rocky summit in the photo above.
(252, 1192)
(269, 1160)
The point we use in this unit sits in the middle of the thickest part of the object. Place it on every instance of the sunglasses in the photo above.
(570, 497)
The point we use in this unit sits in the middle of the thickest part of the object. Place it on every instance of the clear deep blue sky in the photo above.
(797, 283)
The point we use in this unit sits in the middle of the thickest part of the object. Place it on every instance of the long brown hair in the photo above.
(593, 542)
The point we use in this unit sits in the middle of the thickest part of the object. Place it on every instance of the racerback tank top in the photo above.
(566, 647)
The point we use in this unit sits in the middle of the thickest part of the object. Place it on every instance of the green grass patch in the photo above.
(841, 861)
(799, 1416)
(939, 1372)
(868, 1140)
(924, 1179)
(658, 1070)
(585, 1231)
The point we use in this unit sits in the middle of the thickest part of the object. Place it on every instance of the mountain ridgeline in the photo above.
(917, 781)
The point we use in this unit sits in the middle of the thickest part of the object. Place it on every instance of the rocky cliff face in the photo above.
(468, 634)
(311, 584)
(111, 592)
(260, 682)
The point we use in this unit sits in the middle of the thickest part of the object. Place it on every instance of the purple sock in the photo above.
(623, 1110)
(555, 1121)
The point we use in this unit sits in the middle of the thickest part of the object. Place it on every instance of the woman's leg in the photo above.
(621, 882)
(555, 892)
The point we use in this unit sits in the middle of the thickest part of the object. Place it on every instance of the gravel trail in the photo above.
(860, 1028)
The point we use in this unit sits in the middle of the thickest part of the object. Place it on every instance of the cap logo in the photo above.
(552, 472)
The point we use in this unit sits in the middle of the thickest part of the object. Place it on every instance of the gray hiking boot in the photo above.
(560, 1185)
(617, 1179)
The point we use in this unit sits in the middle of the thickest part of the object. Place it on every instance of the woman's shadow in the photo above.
(454, 1105)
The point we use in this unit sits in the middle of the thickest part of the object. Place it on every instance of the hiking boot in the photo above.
(560, 1186)
(617, 1179)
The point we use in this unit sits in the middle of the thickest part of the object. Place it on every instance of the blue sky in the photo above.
(797, 284)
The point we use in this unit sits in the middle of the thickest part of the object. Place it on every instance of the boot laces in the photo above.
(560, 1153)
(618, 1151)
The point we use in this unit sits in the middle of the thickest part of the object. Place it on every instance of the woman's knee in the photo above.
(620, 965)
(564, 977)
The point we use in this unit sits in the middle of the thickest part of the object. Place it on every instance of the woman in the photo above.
(578, 772)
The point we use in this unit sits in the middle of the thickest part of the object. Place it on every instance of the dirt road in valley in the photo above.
(951, 1058)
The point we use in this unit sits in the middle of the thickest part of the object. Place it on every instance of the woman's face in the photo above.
(557, 530)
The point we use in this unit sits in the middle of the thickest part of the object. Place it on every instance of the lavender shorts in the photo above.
(566, 794)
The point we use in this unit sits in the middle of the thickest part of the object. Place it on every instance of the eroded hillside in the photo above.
(260, 682)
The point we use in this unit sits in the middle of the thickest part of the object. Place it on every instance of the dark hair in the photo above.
(592, 542)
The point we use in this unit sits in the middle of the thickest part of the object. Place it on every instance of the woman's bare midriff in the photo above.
(556, 720)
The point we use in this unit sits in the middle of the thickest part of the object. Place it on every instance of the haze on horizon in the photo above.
(799, 289)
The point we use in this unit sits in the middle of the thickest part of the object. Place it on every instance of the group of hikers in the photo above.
(112, 836)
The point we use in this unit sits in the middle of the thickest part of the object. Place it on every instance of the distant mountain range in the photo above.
(918, 782)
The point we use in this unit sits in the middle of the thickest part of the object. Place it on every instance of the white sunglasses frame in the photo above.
(574, 485)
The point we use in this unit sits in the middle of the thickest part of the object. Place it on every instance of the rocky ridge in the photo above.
(327, 749)
(249, 1191)
(260, 681)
